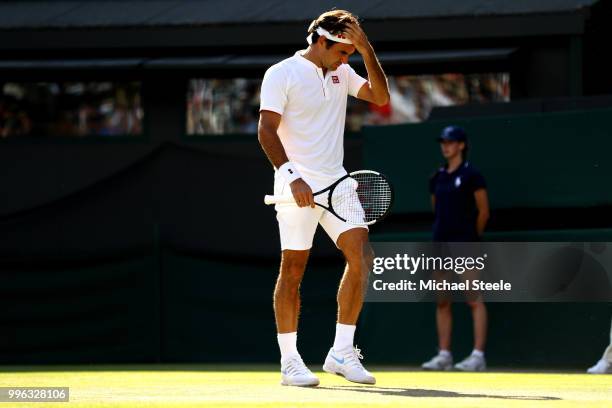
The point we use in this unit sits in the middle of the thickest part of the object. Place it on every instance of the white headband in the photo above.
(337, 37)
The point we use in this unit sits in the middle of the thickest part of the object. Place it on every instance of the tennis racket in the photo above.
(360, 198)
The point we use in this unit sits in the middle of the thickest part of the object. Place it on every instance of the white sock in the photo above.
(344, 336)
(445, 353)
(478, 353)
(288, 344)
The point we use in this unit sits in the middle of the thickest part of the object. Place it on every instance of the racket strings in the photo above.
(362, 198)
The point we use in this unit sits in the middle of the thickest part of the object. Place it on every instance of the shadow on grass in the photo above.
(422, 393)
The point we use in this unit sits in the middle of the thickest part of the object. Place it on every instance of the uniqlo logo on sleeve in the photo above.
(335, 79)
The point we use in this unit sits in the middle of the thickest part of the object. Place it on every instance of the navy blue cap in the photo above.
(453, 134)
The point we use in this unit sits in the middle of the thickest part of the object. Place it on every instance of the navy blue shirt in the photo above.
(455, 210)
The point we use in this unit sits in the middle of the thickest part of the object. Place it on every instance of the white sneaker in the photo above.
(602, 367)
(346, 363)
(440, 362)
(472, 363)
(294, 372)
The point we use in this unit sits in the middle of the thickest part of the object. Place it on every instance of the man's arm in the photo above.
(482, 203)
(377, 91)
(268, 138)
(267, 134)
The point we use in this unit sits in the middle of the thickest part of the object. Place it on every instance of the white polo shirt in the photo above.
(313, 109)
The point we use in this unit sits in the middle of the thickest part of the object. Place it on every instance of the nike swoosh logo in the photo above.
(340, 361)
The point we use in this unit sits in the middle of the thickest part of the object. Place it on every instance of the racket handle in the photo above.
(278, 199)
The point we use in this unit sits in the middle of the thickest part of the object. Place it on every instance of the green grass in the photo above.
(256, 386)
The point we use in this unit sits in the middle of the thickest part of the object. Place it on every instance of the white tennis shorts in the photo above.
(297, 225)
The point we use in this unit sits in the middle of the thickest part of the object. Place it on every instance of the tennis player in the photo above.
(301, 130)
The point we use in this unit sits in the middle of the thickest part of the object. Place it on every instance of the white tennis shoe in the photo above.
(440, 362)
(294, 372)
(472, 363)
(347, 364)
(602, 367)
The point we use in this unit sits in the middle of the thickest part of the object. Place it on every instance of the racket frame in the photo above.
(330, 188)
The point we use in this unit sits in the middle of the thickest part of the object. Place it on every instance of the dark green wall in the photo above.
(114, 252)
(547, 160)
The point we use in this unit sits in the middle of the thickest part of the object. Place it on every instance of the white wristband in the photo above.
(289, 172)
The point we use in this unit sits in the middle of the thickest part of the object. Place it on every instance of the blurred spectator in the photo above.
(218, 106)
(14, 120)
(221, 106)
(70, 109)
(413, 97)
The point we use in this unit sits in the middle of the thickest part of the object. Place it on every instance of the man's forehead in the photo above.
(348, 48)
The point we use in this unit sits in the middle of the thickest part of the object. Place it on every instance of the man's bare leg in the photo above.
(342, 358)
(287, 290)
(286, 312)
(356, 248)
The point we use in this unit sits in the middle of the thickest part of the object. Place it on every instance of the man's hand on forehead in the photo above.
(358, 37)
